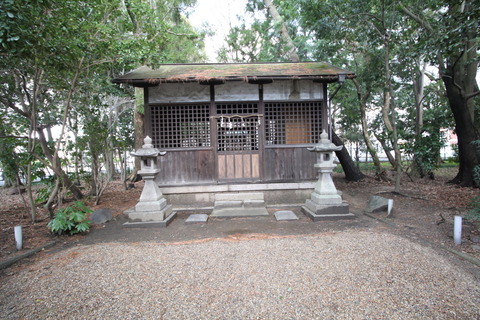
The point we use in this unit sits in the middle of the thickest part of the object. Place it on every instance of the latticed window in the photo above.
(292, 122)
(181, 126)
(238, 133)
(237, 108)
(237, 127)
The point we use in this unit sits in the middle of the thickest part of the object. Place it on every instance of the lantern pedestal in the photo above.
(325, 202)
(152, 208)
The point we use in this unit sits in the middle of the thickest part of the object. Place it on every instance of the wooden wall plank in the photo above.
(247, 166)
(255, 166)
(238, 166)
(289, 164)
(279, 164)
(222, 170)
(186, 167)
(230, 166)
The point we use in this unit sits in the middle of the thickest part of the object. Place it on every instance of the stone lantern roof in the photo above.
(147, 150)
(325, 145)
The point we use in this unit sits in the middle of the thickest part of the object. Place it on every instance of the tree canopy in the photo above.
(58, 58)
(416, 65)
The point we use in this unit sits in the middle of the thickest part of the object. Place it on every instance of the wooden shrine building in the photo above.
(236, 124)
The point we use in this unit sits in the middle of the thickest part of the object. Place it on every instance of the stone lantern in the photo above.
(152, 208)
(325, 202)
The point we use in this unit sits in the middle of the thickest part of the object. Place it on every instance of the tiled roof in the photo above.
(251, 72)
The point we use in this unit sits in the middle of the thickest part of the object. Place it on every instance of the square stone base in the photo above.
(151, 224)
(197, 218)
(285, 215)
(150, 215)
(157, 205)
(327, 212)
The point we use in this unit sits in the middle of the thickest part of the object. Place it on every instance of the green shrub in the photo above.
(71, 219)
(44, 193)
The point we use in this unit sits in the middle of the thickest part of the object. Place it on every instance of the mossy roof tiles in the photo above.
(319, 71)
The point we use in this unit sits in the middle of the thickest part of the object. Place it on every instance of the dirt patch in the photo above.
(14, 212)
(424, 209)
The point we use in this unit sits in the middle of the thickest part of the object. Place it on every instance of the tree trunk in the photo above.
(459, 78)
(418, 89)
(458, 69)
(139, 124)
(292, 51)
(363, 115)
(389, 107)
(383, 143)
(352, 172)
(9, 161)
(56, 166)
(466, 133)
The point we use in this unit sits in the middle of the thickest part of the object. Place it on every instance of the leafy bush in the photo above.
(44, 193)
(71, 219)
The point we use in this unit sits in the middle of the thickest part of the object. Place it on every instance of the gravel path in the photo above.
(344, 275)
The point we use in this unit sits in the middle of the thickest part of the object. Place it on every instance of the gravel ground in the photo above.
(343, 275)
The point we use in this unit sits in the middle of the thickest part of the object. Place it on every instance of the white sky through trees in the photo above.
(219, 15)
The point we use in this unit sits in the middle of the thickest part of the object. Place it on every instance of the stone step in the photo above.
(254, 204)
(238, 213)
(239, 196)
(220, 204)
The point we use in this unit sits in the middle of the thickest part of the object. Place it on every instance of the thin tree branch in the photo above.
(67, 106)
(471, 95)
(128, 6)
(368, 15)
(292, 52)
(419, 20)
(11, 105)
(182, 34)
(12, 136)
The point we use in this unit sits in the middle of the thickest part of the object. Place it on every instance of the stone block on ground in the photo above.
(377, 204)
(151, 224)
(156, 205)
(100, 216)
(239, 212)
(197, 218)
(316, 216)
(319, 209)
(285, 215)
(143, 216)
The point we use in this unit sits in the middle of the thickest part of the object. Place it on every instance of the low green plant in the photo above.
(71, 220)
(44, 192)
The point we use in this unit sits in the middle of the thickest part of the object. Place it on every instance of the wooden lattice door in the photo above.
(238, 146)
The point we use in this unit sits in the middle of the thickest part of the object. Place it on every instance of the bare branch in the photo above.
(10, 104)
(67, 105)
(368, 15)
(292, 51)
(132, 16)
(12, 136)
(471, 95)
(417, 19)
(181, 34)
